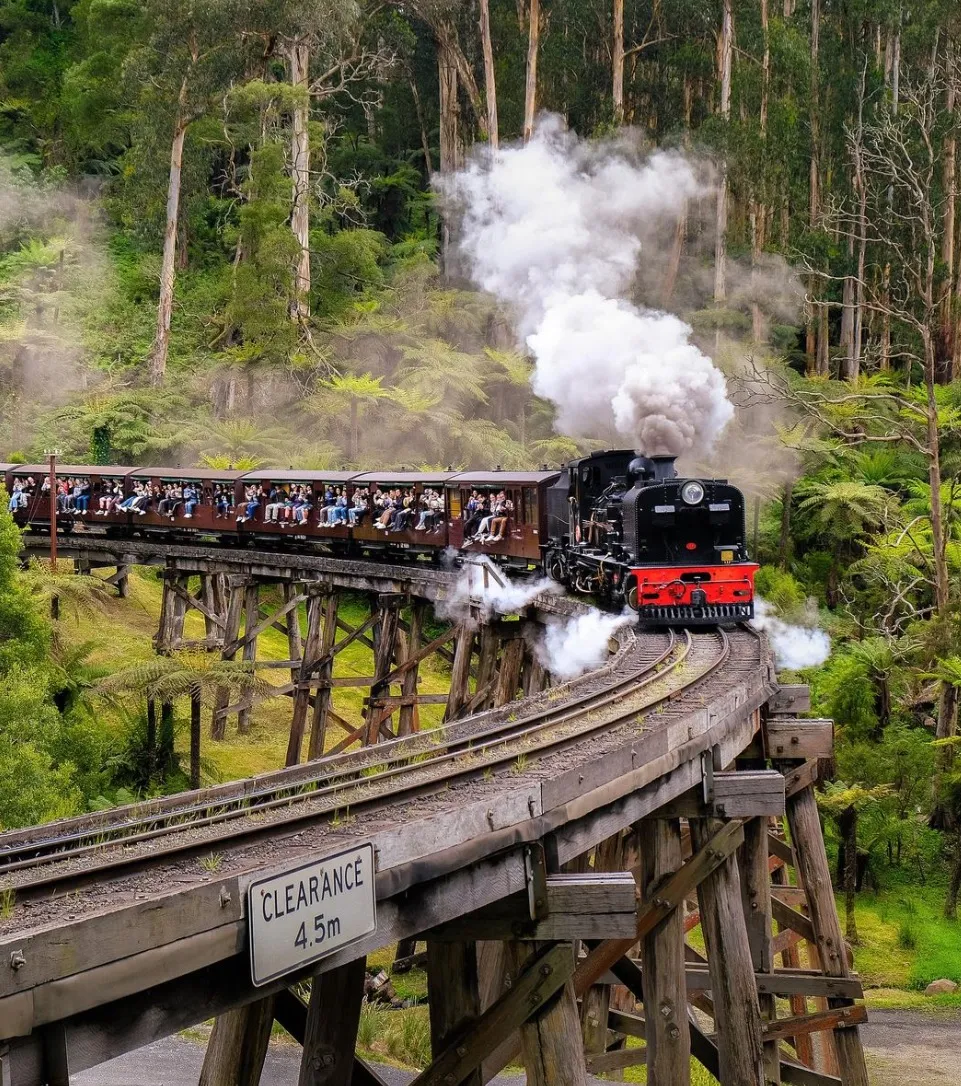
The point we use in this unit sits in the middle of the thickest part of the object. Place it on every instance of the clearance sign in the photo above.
(305, 914)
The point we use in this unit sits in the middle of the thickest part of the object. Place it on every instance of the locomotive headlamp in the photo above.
(692, 493)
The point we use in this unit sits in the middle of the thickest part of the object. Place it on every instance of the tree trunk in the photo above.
(161, 343)
(530, 90)
(946, 347)
(677, 251)
(424, 141)
(194, 740)
(166, 753)
(354, 429)
(300, 175)
(848, 825)
(725, 51)
(954, 886)
(784, 545)
(811, 348)
(490, 82)
(151, 742)
(617, 57)
(449, 139)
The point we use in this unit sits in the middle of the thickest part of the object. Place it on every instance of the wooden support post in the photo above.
(54, 1054)
(488, 642)
(756, 902)
(454, 995)
(460, 673)
(665, 997)
(737, 1013)
(551, 1037)
(249, 652)
(408, 720)
(236, 587)
(122, 580)
(173, 610)
(596, 1002)
(238, 1044)
(815, 876)
(385, 644)
(295, 641)
(790, 959)
(509, 674)
(332, 1019)
(492, 983)
(310, 654)
(325, 671)
(212, 598)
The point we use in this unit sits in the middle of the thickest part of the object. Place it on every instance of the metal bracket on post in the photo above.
(707, 776)
(535, 874)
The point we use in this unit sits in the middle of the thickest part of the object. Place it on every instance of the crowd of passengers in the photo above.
(487, 517)
(394, 510)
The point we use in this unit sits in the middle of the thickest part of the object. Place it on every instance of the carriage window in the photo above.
(455, 503)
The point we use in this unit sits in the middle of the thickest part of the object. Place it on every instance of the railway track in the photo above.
(655, 672)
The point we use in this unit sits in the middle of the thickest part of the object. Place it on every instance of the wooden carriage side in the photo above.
(527, 523)
(37, 510)
(288, 479)
(407, 482)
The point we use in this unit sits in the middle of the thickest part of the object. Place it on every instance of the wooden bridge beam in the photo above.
(665, 995)
(815, 875)
(453, 992)
(756, 903)
(238, 1045)
(737, 1012)
(333, 1015)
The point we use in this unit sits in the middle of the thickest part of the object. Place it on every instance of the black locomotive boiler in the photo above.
(627, 527)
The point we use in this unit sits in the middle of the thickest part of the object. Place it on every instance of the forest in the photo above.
(223, 241)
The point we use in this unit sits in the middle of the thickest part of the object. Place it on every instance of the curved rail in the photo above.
(405, 768)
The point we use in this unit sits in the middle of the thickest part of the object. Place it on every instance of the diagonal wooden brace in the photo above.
(544, 974)
(670, 894)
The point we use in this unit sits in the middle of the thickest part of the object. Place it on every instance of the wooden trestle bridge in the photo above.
(558, 846)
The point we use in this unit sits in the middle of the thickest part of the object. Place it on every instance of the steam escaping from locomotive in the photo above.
(794, 647)
(556, 230)
(570, 647)
(482, 590)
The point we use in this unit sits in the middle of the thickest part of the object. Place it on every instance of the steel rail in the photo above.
(450, 765)
(58, 847)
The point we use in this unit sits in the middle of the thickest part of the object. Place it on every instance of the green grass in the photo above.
(123, 634)
(905, 941)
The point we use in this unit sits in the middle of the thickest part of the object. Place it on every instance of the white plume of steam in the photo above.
(556, 229)
(483, 590)
(795, 647)
(569, 647)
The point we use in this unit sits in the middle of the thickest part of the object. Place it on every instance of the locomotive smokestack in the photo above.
(664, 467)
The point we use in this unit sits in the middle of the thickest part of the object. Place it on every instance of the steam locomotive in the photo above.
(620, 527)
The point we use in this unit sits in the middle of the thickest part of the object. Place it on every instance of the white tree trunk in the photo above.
(490, 82)
(161, 343)
(617, 54)
(530, 92)
(725, 49)
(300, 175)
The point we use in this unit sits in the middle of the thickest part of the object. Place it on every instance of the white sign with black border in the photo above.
(305, 914)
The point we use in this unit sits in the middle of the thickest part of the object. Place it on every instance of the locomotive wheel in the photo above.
(630, 593)
(556, 569)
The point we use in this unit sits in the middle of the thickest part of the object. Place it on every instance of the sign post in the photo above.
(303, 915)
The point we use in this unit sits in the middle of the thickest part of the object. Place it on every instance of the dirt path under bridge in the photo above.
(905, 1048)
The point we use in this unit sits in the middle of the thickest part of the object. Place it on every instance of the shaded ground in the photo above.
(176, 1062)
(914, 1048)
(905, 1048)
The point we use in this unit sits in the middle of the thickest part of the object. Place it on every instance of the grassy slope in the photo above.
(123, 635)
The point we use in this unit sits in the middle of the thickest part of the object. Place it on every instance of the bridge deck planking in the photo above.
(412, 853)
(425, 871)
